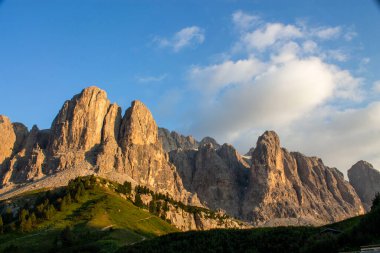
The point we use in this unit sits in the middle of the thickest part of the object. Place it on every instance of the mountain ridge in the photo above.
(90, 135)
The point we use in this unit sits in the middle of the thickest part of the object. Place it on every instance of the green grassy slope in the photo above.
(101, 221)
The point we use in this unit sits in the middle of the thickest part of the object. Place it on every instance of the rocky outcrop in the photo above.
(172, 140)
(209, 140)
(366, 181)
(89, 134)
(250, 152)
(217, 176)
(291, 185)
(12, 136)
(12, 139)
(79, 124)
(186, 221)
(187, 218)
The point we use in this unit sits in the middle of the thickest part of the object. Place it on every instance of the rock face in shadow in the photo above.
(366, 181)
(173, 140)
(89, 134)
(218, 177)
(278, 187)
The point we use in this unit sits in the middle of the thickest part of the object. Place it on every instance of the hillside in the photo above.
(98, 214)
(100, 219)
(346, 235)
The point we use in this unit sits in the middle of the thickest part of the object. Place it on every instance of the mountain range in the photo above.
(269, 186)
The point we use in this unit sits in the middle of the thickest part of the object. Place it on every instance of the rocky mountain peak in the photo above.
(366, 181)
(211, 140)
(269, 140)
(79, 123)
(268, 151)
(361, 166)
(12, 136)
(7, 137)
(250, 152)
(173, 140)
(138, 126)
(286, 184)
(89, 136)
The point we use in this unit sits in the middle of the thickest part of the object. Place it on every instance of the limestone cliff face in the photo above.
(278, 187)
(291, 185)
(172, 140)
(217, 176)
(8, 138)
(12, 136)
(79, 124)
(89, 134)
(12, 139)
(366, 181)
(186, 221)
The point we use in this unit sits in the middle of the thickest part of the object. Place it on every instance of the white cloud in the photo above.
(338, 55)
(244, 21)
(275, 96)
(328, 32)
(188, 36)
(285, 81)
(150, 79)
(269, 34)
(286, 53)
(216, 77)
(309, 46)
(340, 137)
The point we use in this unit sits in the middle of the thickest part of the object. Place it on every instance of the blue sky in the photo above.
(229, 69)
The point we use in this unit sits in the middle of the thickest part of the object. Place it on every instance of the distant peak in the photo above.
(269, 138)
(361, 165)
(137, 103)
(211, 140)
(92, 88)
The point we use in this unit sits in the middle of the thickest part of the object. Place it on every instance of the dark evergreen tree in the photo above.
(8, 216)
(165, 206)
(138, 201)
(128, 187)
(152, 207)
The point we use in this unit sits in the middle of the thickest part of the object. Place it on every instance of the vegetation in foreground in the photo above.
(89, 215)
(347, 235)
